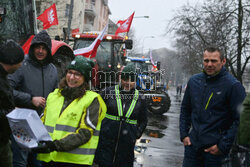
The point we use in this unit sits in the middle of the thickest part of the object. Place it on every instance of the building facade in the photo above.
(85, 15)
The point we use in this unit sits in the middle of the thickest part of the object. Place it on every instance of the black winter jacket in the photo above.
(34, 78)
(6, 105)
(210, 106)
(109, 140)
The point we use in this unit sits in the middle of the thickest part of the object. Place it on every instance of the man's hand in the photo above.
(39, 101)
(213, 150)
(186, 141)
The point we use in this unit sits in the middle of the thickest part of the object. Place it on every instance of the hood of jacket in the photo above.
(41, 38)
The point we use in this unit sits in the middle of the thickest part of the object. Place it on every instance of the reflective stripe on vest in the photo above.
(115, 118)
(119, 107)
(66, 123)
(67, 129)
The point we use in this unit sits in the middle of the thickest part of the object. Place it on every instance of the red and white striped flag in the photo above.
(152, 62)
(91, 50)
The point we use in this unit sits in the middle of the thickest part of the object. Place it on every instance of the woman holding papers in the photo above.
(73, 118)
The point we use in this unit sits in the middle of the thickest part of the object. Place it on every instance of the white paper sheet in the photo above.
(27, 128)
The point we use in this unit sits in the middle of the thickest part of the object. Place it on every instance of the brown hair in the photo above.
(215, 49)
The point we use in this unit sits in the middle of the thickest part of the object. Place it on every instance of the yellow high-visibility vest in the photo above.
(67, 123)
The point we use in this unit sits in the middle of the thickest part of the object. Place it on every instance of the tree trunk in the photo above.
(239, 41)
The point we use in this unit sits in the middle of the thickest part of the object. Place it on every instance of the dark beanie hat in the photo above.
(129, 72)
(82, 65)
(11, 53)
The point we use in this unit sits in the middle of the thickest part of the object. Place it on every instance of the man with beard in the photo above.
(125, 121)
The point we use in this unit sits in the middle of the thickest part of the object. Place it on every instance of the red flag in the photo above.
(76, 30)
(49, 17)
(26, 45)
(124, 24)
(90, 51)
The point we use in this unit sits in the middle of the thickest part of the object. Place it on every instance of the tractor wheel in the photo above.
(163, 108)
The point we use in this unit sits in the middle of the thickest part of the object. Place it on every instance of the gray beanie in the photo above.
(11, 52)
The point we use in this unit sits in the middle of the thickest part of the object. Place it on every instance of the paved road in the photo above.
(164, 148)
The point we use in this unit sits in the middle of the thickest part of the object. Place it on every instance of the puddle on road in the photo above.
(157, 127)
(140, 148)
(156, 124)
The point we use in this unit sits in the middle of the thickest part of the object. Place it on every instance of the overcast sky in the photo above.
(159, 12)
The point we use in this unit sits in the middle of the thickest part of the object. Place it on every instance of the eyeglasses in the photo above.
(76, 75)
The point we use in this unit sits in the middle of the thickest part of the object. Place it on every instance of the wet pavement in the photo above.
(160, 145)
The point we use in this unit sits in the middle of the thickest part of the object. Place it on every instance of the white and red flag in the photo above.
(124, 24)
(49, 17)
(152, 62)
(90, 51)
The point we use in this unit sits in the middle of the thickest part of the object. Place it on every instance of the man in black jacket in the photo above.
(11, 57)
(125, 121)
(32, 83)
(209, 115)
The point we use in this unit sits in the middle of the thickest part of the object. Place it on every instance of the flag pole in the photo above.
(35, 17)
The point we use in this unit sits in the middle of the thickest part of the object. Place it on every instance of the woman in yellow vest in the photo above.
(72, 116)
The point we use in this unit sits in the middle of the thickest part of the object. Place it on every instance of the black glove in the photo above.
(44, 147)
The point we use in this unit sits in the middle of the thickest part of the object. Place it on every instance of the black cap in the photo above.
(11, 53)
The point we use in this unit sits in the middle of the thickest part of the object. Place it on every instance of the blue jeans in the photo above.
(20, 156)
(198, 158)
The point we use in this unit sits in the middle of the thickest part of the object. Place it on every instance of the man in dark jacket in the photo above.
(209, 112)
(11, 57)
(125, 121)
(33, 82)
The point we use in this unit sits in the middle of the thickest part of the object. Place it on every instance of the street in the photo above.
(162, 147)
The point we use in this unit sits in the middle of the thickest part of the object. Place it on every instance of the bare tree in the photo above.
(131, 35)
(223, 23)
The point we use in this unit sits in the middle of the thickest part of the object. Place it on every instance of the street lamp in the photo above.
(144, 40)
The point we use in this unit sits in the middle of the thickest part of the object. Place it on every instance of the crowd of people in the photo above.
(91, 129)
